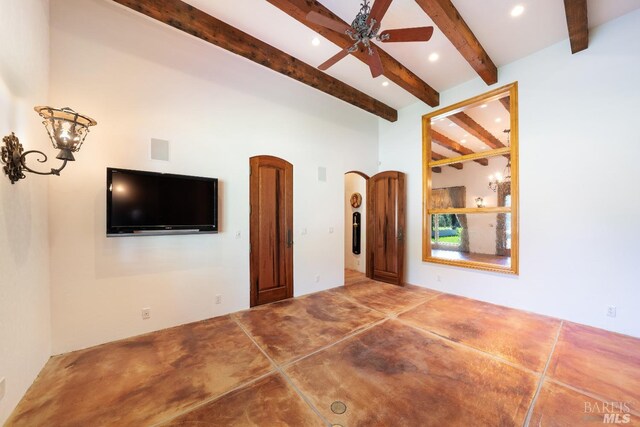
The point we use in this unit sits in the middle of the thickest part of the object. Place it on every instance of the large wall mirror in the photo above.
(470, 179)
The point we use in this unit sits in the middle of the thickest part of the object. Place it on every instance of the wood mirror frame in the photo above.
(431, 165)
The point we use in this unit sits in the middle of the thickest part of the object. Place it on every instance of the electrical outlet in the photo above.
(330, 230)
(304, 232)
(2, 387)
(611, 311)
(317, 279)
(357, 262)
(218, 299)
(146, 313)
(238, 234)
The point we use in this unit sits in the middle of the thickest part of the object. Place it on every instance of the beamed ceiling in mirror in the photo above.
(469, 39)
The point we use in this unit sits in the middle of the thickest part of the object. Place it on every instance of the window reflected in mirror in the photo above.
(471, 183)
(484, 238)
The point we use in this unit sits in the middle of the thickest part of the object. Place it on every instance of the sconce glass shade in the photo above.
(66, 128)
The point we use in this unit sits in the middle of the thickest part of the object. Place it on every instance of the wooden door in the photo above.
(271, 229)
(386, 199)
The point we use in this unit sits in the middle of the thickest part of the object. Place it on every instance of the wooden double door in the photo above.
(386, 206)
(271, 229)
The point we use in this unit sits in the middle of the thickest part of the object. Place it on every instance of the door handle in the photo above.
(289, 238)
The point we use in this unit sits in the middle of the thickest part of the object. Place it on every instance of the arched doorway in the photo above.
(355, 207)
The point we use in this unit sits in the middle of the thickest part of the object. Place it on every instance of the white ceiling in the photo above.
(505, 38)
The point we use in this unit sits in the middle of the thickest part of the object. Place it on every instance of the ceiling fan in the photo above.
(366, 28)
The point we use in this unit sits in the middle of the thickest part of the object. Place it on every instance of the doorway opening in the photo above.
(355, 221)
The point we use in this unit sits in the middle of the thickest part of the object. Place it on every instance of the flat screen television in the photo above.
(148, 203)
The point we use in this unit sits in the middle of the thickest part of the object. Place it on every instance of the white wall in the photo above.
(25, 334)
(354, 183)
(579, 147)
(140, 80)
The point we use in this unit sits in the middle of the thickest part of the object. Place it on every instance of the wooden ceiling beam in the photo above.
(446, 17)
(506, 103)
(578, 24)
(473, 128)
(393, 70)
(436, 156)
(450, 144)
(187, 18)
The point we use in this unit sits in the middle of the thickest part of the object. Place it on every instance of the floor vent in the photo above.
(338, 407)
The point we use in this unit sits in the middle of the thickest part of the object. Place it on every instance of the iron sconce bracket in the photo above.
(13, 157)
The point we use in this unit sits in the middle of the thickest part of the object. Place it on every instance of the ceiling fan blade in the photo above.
(375, 63)
(327, 22)
(378, 10)
(419, 34)
(333, 60)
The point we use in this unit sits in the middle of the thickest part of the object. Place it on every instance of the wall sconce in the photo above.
(480, 202)
(67, 131)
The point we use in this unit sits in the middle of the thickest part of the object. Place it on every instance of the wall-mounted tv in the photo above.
(149, 203)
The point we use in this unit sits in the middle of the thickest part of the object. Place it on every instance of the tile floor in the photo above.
(392, 356)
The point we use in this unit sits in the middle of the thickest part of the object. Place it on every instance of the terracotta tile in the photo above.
(267, 402)
(296, 327)
(395, 375)
(353, 276)
(560, 406)
(514, 335)
(384, 297)
(142, 380)
(601, 362)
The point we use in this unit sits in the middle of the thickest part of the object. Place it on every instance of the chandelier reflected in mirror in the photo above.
(505, 176)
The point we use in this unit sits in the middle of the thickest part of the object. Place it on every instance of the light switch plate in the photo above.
(322, 174)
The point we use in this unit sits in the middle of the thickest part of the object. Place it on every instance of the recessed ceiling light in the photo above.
(517, 11)
(498, 120)
(434, 57)
(315, 41)
(464, 141)
(451, 125)
(483, 106)
(385, 83)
